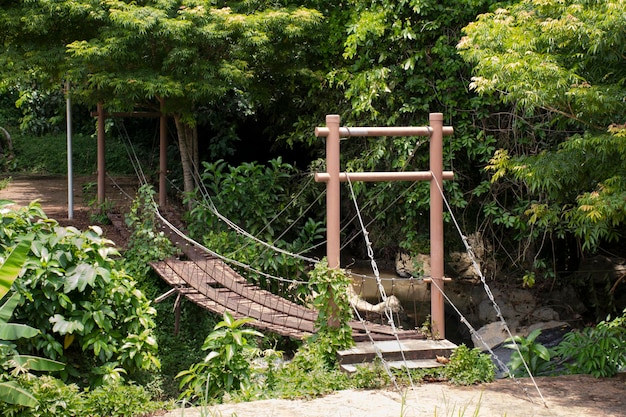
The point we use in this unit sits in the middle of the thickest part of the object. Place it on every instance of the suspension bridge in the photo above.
(208, 281)
(205, 279)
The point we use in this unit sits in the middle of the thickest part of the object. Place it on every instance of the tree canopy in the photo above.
(534, 90)
(189, 53)
(567, 61)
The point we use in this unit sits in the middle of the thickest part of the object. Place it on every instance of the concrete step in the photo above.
(409, 353)
(414, 364)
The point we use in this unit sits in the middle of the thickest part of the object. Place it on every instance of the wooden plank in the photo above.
(239, 296)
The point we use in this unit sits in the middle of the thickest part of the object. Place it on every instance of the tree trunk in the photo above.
(188, 147)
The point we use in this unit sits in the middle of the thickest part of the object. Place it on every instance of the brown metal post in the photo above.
(436, 226)
(333, 196)
(333, 205)
(163, 156)
(101, 158)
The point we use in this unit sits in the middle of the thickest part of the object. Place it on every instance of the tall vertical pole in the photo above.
(101, 159)
(436, 226)
(70, 174)
(333, 196)
(163, 156)
(333, 205)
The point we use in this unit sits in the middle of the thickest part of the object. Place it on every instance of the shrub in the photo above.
(469, 366)
(89, 312)
(309, 374)
(56, 399)
(249, 195)
(227, 366)
(117, 400)
(534, 354)
(598, 351)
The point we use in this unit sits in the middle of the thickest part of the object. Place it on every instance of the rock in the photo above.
(392, 302)
(544, 314)
(408, 266)
(494, 334)
(463, 266)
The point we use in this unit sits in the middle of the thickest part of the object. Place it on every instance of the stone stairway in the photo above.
(417, 353)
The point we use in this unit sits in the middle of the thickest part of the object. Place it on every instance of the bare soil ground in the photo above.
(52, 193)
(571, 395)
(565, 396)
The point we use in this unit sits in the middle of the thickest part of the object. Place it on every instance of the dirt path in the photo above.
(51, 193)
(566, 396)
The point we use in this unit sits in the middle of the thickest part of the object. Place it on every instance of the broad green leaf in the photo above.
(12, 393)
(79, 277)
(6, 311)
(12, 266)
(38, 364)
(15, 331)
(63, 326)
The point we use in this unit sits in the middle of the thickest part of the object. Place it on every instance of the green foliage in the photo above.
(558, 182)
(146, 244)
(371, 376)
(12, 363)
(264, 201)
(469, 366)
(598, 350)
(227, 366)
(561, 66)
(311, 373)
(53, 398)
(56, 399)
(89, 312)
(47, 155)
(42, 111)
(564, 56)
(117, 400)
(536, 356)
(334, 309)
(177, 350)
(400, 63)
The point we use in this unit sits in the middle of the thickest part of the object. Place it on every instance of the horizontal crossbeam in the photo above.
(346, 132)
(383, 176)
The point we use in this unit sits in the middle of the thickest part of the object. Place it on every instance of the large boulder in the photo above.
(459, 265)
(415, 266)
(494, 334)
(462, 265)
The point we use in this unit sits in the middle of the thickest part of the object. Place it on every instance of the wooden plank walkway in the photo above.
(213, 285)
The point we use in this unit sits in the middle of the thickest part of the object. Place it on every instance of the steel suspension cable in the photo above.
(478, 270)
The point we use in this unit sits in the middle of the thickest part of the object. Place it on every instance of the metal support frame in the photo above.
(101, 168)
(333, 177)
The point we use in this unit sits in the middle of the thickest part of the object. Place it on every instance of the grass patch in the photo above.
(48, 155)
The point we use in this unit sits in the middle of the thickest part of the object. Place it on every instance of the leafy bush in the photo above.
(309, 374)
(371, 376)
(146, 243)
(334, 309)
(90, 313)
(252, 195)
(469, 366)
(598, 351)
(15, 367)
(534, 354)
(56, 399)
(117, 400)
(227, 367)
